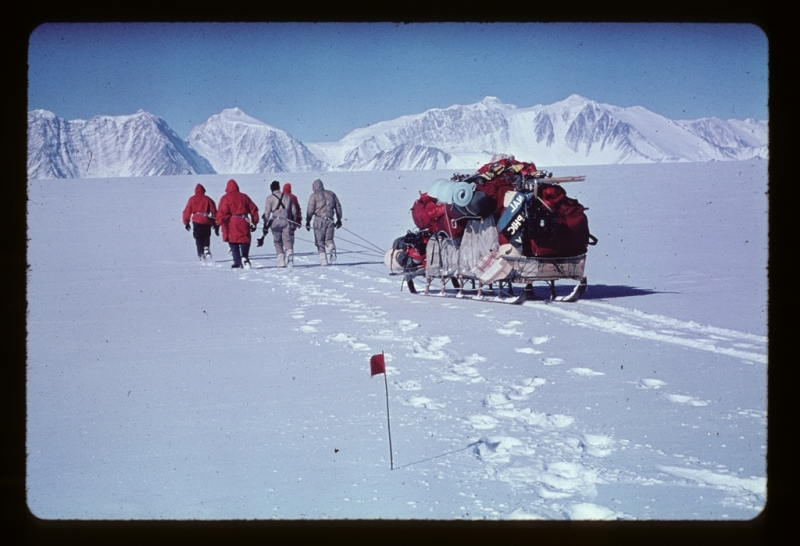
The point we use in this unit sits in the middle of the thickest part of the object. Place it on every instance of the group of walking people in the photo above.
(237, 216)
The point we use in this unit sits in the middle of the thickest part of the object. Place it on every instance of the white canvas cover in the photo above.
(442, 257)
(478, 240)
(447, 256)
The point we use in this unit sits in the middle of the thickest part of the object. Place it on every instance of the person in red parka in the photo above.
(202, 212)
(287, 188)
(238, 216)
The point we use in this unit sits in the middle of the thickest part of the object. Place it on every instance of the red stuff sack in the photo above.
(429, 214)
(569, 235)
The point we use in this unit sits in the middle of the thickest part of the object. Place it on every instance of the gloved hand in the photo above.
(216, 231)
(265, 231)
(338, 223)
(187, 227)
(252, 228)
(308, 226)
(260, 241)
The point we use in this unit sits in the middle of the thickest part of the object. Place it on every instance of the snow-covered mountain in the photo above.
(575, 131)
(108, 146)
(234, 142)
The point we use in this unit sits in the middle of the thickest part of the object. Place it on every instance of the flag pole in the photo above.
(388, 422)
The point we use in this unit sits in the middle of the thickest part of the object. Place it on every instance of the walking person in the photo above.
(322, 205)
(282, 214)
(201, 211)
(238, 216)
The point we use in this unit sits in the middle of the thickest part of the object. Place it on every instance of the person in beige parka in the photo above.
(322, 205)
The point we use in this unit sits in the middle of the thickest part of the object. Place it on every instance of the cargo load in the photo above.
(508, 223)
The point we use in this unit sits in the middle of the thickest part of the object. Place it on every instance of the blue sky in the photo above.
(320, 81)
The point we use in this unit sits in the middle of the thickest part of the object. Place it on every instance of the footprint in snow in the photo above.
(557, 480)
(535, 419)
(387, 335)
(409, 385)
(406, 325)
(683, 399)
(597, 445)
(586, 372)
(552, 361)
(464, 372)
(525, 388)
(482, 422)
(528, 351)
(651, 384)
(501, 448)
(366, 318)
(588, 511)
(429, 348)
(423, 402)
(539, 340)
(348, 340)
(520, 514)
(497, 400)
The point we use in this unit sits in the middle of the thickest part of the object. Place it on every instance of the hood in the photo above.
(316, 185)
(232, 186)
(199, 190)
(287, 189)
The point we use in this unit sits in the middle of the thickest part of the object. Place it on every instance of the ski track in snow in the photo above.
(634, 323)
(548, 453)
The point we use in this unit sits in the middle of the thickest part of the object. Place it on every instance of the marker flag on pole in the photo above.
(377, 365)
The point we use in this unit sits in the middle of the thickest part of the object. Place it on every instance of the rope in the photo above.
(360, 237)
(369, 252)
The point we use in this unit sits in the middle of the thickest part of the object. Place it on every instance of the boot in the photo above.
(290, 259)
(245, 262)
(331, 254)
(206, 253)
(281, 261)
(322, 259)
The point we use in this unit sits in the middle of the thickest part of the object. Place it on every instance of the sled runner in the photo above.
(509, 224)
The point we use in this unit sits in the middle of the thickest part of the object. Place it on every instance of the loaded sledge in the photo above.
(508, 224)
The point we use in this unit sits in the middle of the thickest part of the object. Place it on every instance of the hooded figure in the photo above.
(282, 215)
(202, 212)
(238, 216)
(322, 205)
(287, 189)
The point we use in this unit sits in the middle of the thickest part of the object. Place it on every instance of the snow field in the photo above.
(160, 388)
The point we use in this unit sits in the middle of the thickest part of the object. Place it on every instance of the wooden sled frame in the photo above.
(525, 271)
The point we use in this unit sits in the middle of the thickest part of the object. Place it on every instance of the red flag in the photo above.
(377, 365)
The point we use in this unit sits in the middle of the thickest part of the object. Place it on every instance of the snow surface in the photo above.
(160, 388)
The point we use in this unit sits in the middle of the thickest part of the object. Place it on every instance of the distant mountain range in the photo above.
(575, 131)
